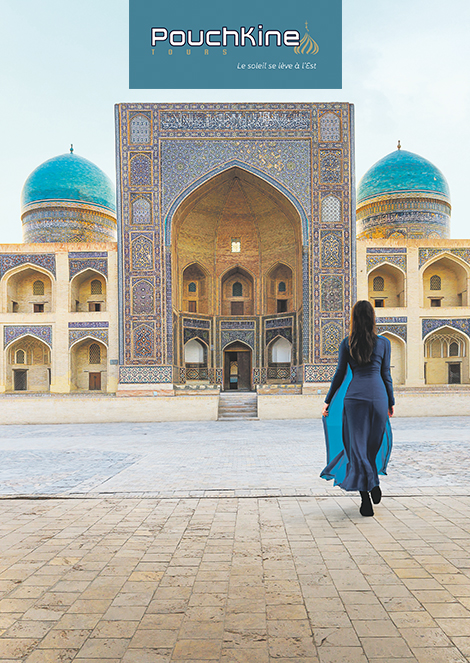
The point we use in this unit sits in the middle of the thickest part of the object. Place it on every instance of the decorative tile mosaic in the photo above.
(140, 129)
(140, 170)
(187, 163)
(426, 254)
(146, 374)
(306, 299)
(219, 375)
(285, 332)
(91, 332)
(81, 260)
(13, 332)
(408, 224)
(143, 300)
(330, 166)
(195, 323)
(202, 334)
(89, 325)
(256, 376)
(331, 248)
(237, 324)
(142, 253)
(279, 322)
(385, 249)
(318, 373)
(391, 320)
(330, 127)
(230, 336)
(331, 336)
(430, 325)
(44, 260)
(330, 209)
(143, 338)
(141, 211)
(235, 121)
(70, 223)
(331, 286)
(169, 306)
(398, 330)
(376, 259)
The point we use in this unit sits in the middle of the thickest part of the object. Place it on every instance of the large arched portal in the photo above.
(237, 267)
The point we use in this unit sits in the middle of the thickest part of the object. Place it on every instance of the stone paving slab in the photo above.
(225, 458)
(235, 580)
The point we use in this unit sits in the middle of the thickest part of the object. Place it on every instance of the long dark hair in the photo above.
(363, 333)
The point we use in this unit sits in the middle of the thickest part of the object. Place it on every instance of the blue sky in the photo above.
(65, 65)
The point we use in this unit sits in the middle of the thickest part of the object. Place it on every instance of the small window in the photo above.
(14, 307)
(435, 302)
(96, 287)
(38, 308)
(77, 305)
(237, 289)
(236, 245)
(281, 287)
(38, 288)
(379, 284)
(192, 307)
(20, 357)
(94, 306)
(236, 308)
(453, 350)
(281, 305)
(192, 287)
(95, 353)
(435, 282)
(379, 303)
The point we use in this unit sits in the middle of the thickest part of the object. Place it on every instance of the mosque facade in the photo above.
(228, 259)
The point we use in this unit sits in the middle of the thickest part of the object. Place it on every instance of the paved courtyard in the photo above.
(196, 543)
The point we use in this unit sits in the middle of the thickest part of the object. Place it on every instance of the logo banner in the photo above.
(248, 44)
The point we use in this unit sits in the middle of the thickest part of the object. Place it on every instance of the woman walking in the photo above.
(357, 431)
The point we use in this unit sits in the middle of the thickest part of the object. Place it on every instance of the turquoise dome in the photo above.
(69, 177)
(402, 172)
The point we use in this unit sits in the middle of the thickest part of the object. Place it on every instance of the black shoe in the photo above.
(376, 494)
(366, 505)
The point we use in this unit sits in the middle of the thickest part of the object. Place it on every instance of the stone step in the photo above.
(238, 406)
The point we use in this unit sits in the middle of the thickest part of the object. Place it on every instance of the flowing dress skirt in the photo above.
(358, 437)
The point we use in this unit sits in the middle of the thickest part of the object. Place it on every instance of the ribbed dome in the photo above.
(69, 177)
(401, 172)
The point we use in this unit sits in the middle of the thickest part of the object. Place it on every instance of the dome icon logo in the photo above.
(307, 46)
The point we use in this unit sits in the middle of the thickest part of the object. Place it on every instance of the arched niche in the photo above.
(280, 289)
(237, 366)
(386, 286)
(279, 359)
(451, 276)
(236, 219)
(28, 361)
(28, 290)
(398, 358)
(195, 360)
(88, 360)
(446, 357)
(237, 288)
(88, 292)
(195, 291)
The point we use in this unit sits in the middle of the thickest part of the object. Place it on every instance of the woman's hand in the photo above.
(391, 411)
(324, 412)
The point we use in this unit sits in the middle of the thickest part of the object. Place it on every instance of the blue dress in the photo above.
(357, 429)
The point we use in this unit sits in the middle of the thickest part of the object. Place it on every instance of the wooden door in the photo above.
(244, 371)
(95, 382)
(21, 382)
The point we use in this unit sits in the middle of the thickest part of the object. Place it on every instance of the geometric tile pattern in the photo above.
(331, 292)
(45, 260)
(426, 254)
(398, 330)
(12, 332)
(331, 210)
(78, 334)
(140, 129)
(144, 340)
(331, 335)
(81, 260)
(330, 166)
(145, 374)
(331, 248)
(398, 260)
(462, 324)
(318, 373)
(88, 325)
(330, 127)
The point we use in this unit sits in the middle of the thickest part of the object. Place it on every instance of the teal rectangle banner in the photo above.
(248, 44)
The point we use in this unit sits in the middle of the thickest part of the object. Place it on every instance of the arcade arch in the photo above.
(387, 286)
(398, 358)
(27, 289)
(88, 362)
(446, 357)
(88, 292)
(445, 283)
(28, 365)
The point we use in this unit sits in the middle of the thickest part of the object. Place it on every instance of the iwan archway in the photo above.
(236, 239)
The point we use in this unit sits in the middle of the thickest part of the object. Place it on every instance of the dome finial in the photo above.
(71, 148)
(399, 146)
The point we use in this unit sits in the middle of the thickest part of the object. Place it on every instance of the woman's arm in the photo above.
(340, 372)
(385, 373)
